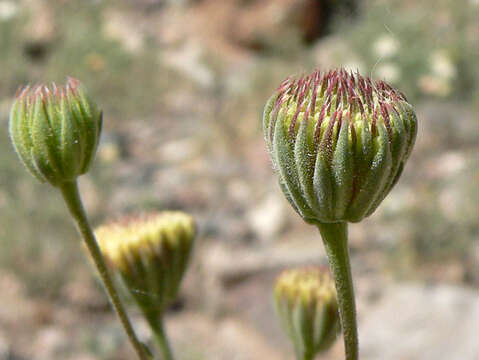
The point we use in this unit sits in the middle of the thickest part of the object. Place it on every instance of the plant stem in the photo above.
(161, 339)
(72, 198)
(307, 356)
(335, 238)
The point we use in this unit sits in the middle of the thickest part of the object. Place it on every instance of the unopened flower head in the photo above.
(55, 130)
(151, 253)
(306, 303)
(338, 142)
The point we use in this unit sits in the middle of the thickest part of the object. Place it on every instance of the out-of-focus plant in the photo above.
(338, 143)
(151, 254)
(307, 306)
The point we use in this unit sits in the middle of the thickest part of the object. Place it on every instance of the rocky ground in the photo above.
(235, 319)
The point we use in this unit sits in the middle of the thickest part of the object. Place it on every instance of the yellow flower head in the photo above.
(306, 303)
(151, 253)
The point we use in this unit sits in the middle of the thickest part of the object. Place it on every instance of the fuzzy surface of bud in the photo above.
(338, 142)
(55, 130)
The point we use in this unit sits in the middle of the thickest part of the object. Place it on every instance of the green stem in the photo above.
(73, 200)
(300, 353)
(307, 356)
(335, 238)
(161, 339)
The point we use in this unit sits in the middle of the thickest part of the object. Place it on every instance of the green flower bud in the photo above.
(307, 306)
(338, 142)
(55, 131)
(151, 254)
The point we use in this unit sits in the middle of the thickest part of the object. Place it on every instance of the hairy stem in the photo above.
(73, 200)
(335, 238)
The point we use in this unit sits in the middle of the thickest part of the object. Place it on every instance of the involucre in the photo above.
(151, 254)
(338, 142)
(55, 130)
(307, 306)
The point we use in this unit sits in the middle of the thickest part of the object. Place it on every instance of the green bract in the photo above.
(307, 306)
(338, 142)
(55, 130)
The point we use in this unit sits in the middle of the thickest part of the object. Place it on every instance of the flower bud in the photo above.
(338, 142)
(55, 130)
(307, 306)
(151, 254)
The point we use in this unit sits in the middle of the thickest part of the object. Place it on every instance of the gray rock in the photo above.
(5, 348)
(195, 336)
(268, 218)
(413, 322)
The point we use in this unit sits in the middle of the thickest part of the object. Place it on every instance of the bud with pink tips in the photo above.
(55, 130)
(339, 142)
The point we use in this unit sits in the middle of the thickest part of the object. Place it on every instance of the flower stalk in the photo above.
(71, 195)
(335, 239)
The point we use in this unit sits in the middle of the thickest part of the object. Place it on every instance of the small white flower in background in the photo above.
(442, 65)
(442, 72)
(119, 27)
(474, 2)
(8, 9)
(386, 46)
(388, 72)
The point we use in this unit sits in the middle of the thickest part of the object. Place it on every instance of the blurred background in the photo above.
(182, 84)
